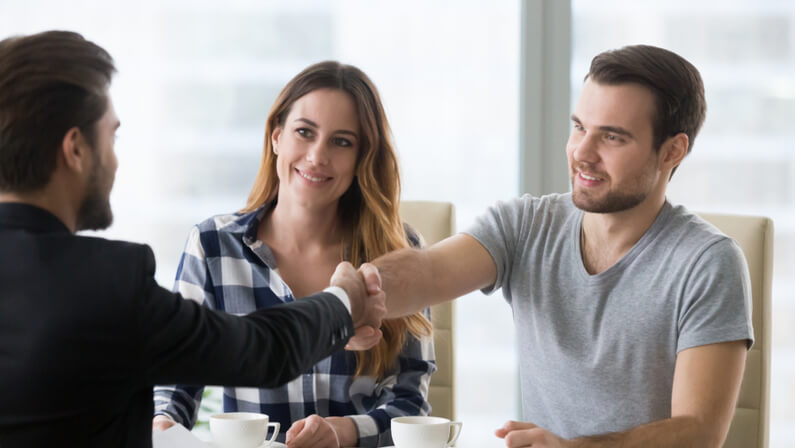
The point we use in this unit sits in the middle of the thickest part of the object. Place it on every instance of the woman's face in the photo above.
(317, 148)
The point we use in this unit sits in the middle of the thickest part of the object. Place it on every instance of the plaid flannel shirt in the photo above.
(226, 268)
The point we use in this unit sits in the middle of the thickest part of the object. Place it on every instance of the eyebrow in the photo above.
(613, 129)
(314, 125)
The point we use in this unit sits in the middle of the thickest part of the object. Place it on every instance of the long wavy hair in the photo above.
(368, 210)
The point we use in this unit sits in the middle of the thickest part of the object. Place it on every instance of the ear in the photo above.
(674, 150)
(75, 151)
(275, 136)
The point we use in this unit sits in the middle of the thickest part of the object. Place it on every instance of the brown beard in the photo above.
(95, 212)
(613, 203)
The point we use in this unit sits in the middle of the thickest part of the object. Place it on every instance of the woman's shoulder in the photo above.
(226, 222)
(413, 237)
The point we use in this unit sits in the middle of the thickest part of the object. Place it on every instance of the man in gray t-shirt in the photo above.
(598, 351)
(633, 315)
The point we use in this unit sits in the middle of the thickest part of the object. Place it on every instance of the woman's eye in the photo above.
(304, 132)
(344, 142)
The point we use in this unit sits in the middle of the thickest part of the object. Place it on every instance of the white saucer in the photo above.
(270, 445)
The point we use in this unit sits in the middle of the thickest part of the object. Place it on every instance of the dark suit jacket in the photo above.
(85, 332)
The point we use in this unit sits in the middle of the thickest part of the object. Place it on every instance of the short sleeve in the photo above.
(499, 230)
(717, 298)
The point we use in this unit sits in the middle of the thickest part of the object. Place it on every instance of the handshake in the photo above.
(368, 302)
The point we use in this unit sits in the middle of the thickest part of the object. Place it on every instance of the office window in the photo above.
(744, 159)
(197, 79)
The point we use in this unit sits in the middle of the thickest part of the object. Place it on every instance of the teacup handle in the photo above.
(276, 426)
(456, 427)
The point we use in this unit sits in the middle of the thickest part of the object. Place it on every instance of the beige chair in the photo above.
(750, 426)
(436, 221)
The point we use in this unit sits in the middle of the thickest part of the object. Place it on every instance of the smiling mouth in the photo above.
(310, 177)
(589, 177)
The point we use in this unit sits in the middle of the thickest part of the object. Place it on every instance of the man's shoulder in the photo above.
(112, 249)
(549, 210)
(558, 203)
(687, 236)
(690, 227)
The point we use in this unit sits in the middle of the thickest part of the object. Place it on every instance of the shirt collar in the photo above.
(251, 221)
(17, 215)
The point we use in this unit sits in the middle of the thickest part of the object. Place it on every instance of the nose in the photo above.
(584, 148)
(318, 153)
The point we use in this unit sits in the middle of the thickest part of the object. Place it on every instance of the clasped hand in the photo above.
(368, 302)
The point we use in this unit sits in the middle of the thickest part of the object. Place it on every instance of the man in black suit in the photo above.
(84, 329)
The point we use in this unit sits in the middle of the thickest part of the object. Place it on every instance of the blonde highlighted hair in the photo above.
(368, 210)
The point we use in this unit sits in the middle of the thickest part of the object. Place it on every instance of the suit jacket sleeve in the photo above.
(183, 342)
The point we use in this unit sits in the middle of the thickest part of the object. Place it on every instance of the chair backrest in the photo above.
(436, 221)
(750, 426)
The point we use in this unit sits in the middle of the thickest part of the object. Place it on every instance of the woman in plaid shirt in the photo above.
(327, 190)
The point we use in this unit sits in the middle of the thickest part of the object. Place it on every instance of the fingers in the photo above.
(365, 338)
(344, 269)
(311, 432)
(377, 297)
(372, 278)
(512, 425)
(526, 437)
(347, 278)
(376, 304)
(294, 430)
(525, 434)
(162, 423)
(367, 299)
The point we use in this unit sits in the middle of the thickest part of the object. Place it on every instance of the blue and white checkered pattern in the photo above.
(226, 268)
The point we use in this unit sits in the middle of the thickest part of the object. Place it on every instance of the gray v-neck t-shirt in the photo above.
(597, 352)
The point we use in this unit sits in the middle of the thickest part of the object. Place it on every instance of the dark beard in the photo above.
(613, 203)
(95, 212)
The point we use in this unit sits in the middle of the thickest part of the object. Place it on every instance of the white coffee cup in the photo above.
(424, 432)
(242, 430)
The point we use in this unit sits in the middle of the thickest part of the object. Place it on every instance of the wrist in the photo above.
(345, 429)
(164, 417)
(341, 295)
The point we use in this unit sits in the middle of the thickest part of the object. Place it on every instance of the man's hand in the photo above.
(368, 302)
(162, 423)
(364, 339)
(312, 432)
(525, 434)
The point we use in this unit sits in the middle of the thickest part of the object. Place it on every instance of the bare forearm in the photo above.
(679, 432)
(407, 281)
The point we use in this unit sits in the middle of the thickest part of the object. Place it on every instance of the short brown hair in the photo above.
(675, 83)
(49, 83)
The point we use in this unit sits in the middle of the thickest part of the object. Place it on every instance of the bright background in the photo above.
(197, 78)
